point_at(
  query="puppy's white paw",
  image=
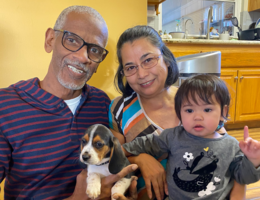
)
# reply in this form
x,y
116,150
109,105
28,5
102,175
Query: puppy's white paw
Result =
x,y
120,187
93,190
93,185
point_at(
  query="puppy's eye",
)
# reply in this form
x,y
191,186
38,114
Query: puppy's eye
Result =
x,y
83,141
99,145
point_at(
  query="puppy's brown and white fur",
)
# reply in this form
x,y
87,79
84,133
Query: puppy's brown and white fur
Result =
x,y
102,153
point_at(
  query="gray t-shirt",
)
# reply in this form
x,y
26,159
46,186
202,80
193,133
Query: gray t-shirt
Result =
x,y
198,168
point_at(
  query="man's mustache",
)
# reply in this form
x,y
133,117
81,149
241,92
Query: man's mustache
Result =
x,y
77,63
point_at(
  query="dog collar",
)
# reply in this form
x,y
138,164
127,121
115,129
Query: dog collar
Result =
x,y
103,163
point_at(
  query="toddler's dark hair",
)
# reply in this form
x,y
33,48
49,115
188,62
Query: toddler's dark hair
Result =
x,y
202,86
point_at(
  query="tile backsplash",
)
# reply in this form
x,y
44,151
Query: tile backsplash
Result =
x,y
248,18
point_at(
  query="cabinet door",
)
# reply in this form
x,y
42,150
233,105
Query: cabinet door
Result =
x,y
248,95
230,78
253,5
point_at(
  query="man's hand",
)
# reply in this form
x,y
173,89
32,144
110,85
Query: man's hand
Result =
x,y
80,188
153,173
251,148
106,184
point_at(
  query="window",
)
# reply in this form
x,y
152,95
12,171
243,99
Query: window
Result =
x,y
176,12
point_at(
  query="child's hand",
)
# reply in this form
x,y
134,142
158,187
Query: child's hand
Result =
x,y
251,148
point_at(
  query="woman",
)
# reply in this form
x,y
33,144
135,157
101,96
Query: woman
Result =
x,y
147,70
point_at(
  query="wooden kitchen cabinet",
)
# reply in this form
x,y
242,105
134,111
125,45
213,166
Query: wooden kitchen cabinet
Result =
x,y
248,95
244,87
230,77
238,59
155,3
253,5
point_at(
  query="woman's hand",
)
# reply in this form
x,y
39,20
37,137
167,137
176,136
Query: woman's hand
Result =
x,y
153,173
106,185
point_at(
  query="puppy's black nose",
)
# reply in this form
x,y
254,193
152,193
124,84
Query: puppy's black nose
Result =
x,y
86,156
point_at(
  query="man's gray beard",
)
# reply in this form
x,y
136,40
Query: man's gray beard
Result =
x,y
72,86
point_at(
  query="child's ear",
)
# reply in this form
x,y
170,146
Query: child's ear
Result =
x,y
225,112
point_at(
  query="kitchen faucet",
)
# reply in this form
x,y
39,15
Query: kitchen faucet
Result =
x,y
210,19
186,31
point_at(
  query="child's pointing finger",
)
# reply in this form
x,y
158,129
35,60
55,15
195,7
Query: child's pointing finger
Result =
x,y
246,133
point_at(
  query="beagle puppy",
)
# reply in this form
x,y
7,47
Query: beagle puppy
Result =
x,y
102,154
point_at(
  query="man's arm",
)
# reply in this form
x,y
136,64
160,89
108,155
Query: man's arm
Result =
x,y
106,185
5,154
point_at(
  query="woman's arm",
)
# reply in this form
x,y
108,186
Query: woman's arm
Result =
x,y
119,136
238,192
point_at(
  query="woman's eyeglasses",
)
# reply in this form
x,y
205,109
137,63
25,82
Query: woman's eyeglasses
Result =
x,y
148,63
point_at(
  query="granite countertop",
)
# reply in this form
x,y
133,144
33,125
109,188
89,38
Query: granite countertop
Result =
x,y
213,41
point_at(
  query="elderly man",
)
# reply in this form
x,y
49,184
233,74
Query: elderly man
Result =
x,y
42,122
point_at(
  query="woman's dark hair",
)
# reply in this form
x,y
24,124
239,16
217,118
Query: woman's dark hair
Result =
x,y
202,86
154,38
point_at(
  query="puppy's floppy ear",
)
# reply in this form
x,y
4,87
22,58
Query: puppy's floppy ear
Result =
x,y
118,159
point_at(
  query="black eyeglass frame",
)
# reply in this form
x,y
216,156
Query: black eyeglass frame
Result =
x,y
84,43
137,66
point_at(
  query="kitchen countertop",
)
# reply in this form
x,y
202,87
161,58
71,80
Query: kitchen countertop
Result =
x,y
234,53
212,41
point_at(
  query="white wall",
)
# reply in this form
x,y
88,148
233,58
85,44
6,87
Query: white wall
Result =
x,y
247,18
154,20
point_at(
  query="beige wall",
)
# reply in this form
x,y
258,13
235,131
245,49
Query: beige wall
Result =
x,y
22,30
244,6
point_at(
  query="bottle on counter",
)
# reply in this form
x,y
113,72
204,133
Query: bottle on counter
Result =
x,y
178,27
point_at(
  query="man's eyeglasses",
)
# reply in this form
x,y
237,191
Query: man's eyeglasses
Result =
x,y
148,63
73,42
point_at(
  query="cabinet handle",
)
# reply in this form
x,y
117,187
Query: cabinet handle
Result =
x,y
241,77
236,78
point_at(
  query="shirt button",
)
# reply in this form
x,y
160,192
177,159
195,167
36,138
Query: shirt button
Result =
x,y
61,105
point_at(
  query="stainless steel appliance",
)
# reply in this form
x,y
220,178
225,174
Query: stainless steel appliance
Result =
x,y
202,63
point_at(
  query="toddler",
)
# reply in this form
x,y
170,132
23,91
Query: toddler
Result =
x,y
202,164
